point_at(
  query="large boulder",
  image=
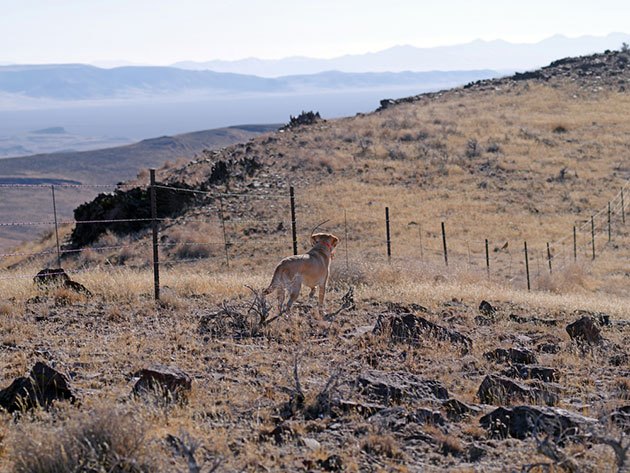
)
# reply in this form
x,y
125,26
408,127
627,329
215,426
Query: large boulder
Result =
x,y
396,386
49,278
498,390
511,355
411,328
522,421
163,382
43,386
585,330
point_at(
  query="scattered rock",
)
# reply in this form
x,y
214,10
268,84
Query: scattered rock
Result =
x,y
41,388
521,421
457,410
548,347
411,328
393,387
531,372
585,330
621,418
311,443
511,355
304,118
331,463
483,321
620,359
57,277
486,308
533,320
279,434
166,382
499,390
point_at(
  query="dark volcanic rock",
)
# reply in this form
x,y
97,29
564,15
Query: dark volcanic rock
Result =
x,y
548,347
457,410
621,418
486,308
521,421
499,390
49,278
41,388
531,372
396,418
511,355
585,330
304,118
167,382
393,387
411,328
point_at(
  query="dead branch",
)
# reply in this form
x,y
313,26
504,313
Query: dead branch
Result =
x,y
347,303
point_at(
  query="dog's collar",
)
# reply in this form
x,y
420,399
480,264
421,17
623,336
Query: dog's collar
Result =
x,y
328,245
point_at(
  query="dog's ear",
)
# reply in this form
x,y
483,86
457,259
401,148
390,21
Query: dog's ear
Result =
x,y
314,239
335,240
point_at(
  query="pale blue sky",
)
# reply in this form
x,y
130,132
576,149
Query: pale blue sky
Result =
x,y
166,31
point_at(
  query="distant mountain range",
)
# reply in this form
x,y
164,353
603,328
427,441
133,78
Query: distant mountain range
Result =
x,y
80,82
498,55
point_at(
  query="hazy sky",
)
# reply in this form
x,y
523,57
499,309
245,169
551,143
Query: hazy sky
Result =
x,y
166,31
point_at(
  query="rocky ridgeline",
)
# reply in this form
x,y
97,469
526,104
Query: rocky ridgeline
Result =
x,y
609,70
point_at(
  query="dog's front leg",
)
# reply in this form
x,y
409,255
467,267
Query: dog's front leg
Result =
x,y
322,295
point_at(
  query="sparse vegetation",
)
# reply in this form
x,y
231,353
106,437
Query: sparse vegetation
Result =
x,y
284,393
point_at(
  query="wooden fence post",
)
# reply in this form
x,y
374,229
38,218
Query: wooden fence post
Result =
x,y
487,259
527,268
154,230
549,257
444,245
389,241
345,225
225,242
52,188
293,222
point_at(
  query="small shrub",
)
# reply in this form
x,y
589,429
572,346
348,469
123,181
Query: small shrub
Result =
x,y
472,149
105,440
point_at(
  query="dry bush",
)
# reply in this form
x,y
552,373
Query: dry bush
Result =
x,y
104,440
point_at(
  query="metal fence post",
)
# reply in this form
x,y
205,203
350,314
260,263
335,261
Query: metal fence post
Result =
x,y
52,188
593,235
574,244
444,245
609,232
293,222
389,242
549,257
154,228
529,287
623,210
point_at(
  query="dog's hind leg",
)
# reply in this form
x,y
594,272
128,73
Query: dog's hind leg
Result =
x,y
312,293
294,292
280,294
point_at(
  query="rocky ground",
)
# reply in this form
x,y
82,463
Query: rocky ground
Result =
x,y
374,386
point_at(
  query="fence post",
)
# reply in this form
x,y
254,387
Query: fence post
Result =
x,y
389,241
345,225
52,188
609,236
154,229
549,257
444,245
293,223
487,259
527,268
623,210
574,244
593,235
225,242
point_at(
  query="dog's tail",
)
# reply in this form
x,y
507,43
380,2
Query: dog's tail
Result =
x,y
274,282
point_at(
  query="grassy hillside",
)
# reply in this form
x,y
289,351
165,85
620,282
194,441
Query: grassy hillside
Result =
x,y
508,160
104,166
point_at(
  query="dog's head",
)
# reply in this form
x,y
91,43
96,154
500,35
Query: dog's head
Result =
x,y
327,239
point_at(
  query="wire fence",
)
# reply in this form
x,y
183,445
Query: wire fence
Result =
x,y
229,236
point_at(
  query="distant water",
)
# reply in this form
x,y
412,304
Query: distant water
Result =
x,y
146,118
